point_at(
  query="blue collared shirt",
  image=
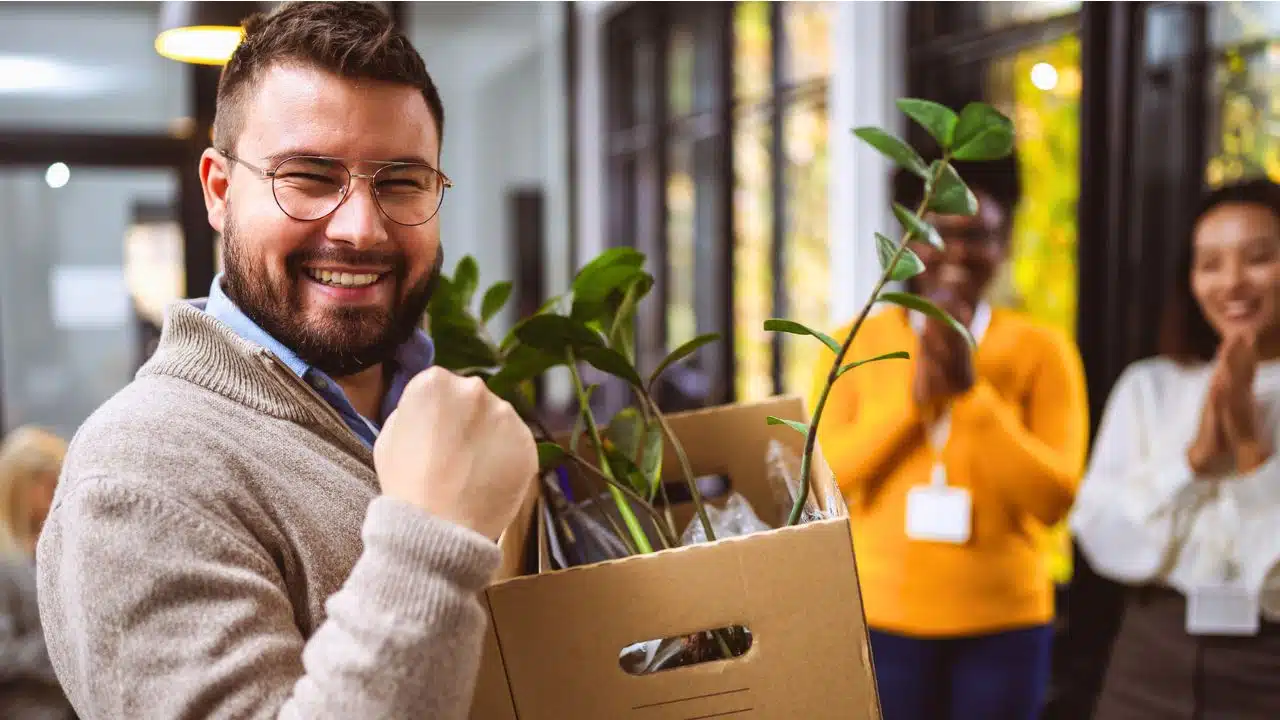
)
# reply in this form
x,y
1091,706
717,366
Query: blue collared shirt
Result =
x,y
411,358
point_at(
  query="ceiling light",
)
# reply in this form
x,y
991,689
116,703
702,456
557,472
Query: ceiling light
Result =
x,y
203,33
57,175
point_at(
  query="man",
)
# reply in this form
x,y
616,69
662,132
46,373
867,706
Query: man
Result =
x,y
955,463
288,513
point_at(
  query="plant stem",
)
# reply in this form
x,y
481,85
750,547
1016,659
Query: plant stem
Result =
x,y
622,488
811,437
694,495
662,486
624,509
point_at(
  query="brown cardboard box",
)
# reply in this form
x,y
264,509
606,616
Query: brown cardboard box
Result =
x,y
554,639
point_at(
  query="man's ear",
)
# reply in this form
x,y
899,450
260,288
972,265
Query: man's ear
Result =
x,y
215,170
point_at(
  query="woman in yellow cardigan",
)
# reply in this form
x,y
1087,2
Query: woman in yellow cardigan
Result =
x,y
955,464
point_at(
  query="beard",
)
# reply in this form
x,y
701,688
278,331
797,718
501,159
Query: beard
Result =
x,y
338,341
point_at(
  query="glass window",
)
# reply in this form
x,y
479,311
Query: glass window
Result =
x,y
1244,100
1039,88
961,17
76,310
88,66
807,260
752,256
752,203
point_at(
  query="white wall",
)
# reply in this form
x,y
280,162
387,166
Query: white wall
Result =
x,y
501,73
500,70
868,75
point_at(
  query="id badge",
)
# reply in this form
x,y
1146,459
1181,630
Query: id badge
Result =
x,y
939,513
1223,610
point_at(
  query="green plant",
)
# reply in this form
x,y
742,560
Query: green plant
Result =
x,y
594,323
979,132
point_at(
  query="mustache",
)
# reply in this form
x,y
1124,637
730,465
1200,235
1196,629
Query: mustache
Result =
x,y
347,256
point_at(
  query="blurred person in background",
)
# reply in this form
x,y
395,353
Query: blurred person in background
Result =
x,y
1181,501
955,464
30,461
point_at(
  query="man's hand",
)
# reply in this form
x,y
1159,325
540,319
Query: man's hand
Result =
x,y
457,451
944,368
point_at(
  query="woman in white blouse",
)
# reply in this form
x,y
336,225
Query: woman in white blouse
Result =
x,y
1181,501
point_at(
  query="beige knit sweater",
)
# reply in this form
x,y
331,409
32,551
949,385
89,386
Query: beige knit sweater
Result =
x,y
219,548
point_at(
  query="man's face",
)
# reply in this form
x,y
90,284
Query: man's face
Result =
x,y
276,267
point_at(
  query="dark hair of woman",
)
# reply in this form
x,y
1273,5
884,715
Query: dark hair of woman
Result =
x,y
1185,334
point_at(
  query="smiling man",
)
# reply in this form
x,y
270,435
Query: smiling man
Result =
x,y
289,512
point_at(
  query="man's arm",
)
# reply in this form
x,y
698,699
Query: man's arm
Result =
x,y
153,609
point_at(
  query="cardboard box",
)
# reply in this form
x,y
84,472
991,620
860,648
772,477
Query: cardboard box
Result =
x,y
552,651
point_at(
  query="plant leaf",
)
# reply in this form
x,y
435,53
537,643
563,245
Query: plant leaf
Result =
x,y
909,264
982,133
625,470
899,355
651,460
611,361
893,148
799,427
522,363
465,279
681,353
795,328
625,431
919,229
609,271
623,324
553,333
549,454
494,299
939,120
919,304
950,195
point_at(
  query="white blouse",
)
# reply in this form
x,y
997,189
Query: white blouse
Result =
x,y
1141,515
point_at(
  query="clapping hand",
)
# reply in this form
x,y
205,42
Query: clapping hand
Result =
x,y
1229,422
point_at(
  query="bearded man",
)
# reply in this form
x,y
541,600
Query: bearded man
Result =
x,y
289,512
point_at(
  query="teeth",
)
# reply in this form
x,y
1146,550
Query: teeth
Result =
x,y
342,279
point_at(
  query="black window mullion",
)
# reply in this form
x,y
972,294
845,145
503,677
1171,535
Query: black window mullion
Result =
x,y
777,160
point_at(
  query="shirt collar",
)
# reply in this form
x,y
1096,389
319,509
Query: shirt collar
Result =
x,y
412,357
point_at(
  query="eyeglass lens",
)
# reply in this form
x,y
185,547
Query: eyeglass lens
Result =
x,y
311,188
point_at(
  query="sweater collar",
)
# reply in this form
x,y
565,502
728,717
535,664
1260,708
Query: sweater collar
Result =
x,y
198,348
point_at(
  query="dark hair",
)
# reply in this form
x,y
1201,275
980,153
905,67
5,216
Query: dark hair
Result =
x,y
1000,179
1185,333
356,40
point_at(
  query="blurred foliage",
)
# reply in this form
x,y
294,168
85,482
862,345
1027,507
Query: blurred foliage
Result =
x,y
1244,112
1041,277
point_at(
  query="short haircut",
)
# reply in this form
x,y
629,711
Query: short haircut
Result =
x,y
1185,333
356,40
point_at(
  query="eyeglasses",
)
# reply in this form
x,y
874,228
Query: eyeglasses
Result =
x,y
310,188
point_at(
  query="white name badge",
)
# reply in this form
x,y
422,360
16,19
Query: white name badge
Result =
x,y
939,513
1223,610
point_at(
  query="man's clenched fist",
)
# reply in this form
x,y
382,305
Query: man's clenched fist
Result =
x,y
457,451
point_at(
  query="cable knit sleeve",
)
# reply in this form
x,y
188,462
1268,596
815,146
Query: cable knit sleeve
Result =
x,y
1138,486
402,638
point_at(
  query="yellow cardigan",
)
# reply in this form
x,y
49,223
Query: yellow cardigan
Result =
x,y
1017,442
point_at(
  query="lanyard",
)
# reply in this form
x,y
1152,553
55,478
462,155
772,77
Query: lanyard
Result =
x,y
939,430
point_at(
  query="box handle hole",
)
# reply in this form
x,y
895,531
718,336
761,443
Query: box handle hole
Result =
x,y
714,645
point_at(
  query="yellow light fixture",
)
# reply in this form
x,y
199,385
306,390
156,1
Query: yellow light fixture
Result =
x,y
202,33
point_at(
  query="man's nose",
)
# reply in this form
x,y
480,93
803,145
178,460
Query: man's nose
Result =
x,y
358,221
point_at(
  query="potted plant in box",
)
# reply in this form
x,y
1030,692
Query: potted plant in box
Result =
x,y
594,324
